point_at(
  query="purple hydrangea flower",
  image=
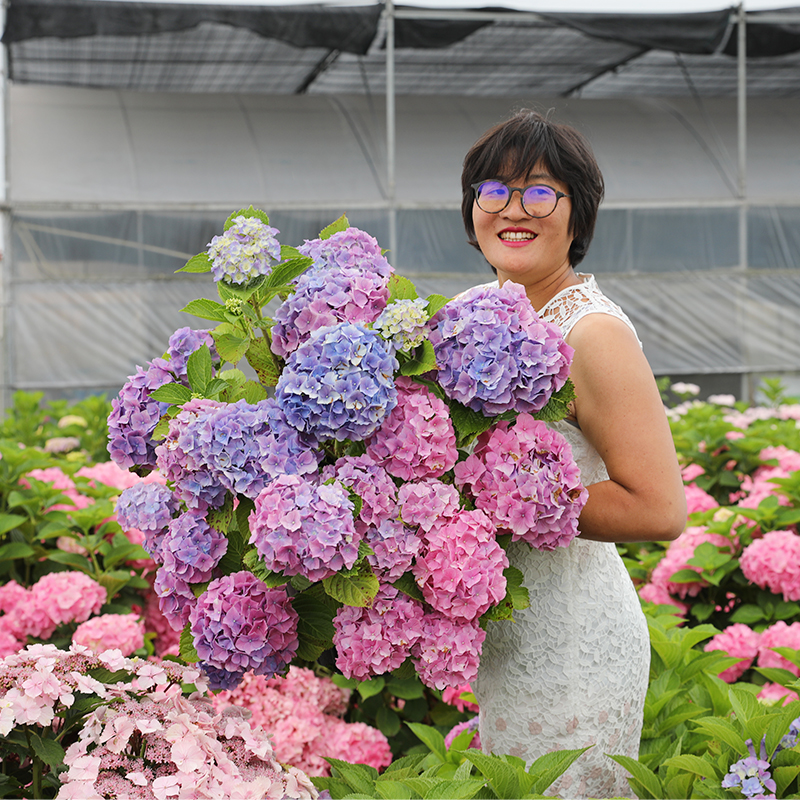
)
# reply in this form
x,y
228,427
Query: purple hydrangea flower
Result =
x,y
148,507
175,598
283,450
394,548
191,548
339,384
134,416
243,252
299,528
220,678
324,298
239,625
182,344
348,248
495,354
377,639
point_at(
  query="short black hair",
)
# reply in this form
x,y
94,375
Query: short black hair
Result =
x,y
512,148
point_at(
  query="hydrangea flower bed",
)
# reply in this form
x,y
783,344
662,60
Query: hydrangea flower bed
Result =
x,y
337,501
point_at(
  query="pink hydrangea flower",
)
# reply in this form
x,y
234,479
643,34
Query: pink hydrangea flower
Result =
x,y
467,725
525,479
452,696
653,593
697,499
125,632
356,743
773,562
691,471
779,635
461,569
417,439
424,502
738,641
760,485
111,474
677,557
773,693
447,653
377,639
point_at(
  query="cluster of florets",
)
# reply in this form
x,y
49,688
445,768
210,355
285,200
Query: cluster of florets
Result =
x,y
739,641
525,479
404,323
448,653
394,548
417,439
339,384
424,502
123,632
461,568
779,634
175,598
149,508
371,483
345,249
751,775
326,297
239,624
192,548
303,714
495,354
677,557
301,528
379,638
182,344
773,562
245,251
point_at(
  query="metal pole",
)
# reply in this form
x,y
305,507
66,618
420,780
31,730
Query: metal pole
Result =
x,y
742,134
5,225
391,145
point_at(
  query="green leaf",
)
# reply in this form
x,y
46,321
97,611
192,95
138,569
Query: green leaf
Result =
x,y
435,302
388,722
430,737
352,590
284,273
187,650
392,790
407,690
252,392
515,591
123,552
48,750
358,777
502,776
423,360
558,405
645,777
314,627
401,288
199,263
72,560
231,348
247,213
454,790
221,518
747,614
262,360
199,369
408,586
744,704
14,550
777,675
371,687
10,521
467,423
341,224
206,309
173,393
783,776
695,764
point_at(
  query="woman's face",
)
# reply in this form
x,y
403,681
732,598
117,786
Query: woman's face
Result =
x,y
522,248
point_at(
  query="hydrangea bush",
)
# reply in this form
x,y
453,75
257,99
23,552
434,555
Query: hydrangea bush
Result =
x,y
321,506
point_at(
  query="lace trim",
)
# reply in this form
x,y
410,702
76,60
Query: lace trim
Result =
x,y
576,302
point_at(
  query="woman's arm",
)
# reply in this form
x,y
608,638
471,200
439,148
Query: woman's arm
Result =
x,y
620,411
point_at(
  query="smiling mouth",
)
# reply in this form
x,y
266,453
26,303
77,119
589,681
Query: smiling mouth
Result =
x,y
517,236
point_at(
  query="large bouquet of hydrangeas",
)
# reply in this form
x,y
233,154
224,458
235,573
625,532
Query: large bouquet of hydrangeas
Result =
x,y
360,491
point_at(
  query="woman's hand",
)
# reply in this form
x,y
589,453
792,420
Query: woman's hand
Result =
x,y
619,410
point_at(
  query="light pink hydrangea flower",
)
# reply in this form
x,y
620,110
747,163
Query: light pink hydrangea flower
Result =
x,y
739,641
525,479
417,439
677,557
424,502
125,632
773,562
356,743
461,569
654,593
773,693
779,635
377,639
697,499
448,653
760,485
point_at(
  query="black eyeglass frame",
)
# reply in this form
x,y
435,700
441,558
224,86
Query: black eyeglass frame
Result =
x,y
511,189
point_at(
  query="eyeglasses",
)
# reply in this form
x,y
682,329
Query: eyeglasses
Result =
x,y
538,199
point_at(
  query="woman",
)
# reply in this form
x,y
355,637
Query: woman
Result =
x,y
572,670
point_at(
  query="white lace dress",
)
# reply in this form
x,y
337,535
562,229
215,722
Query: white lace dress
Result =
x,y
572,669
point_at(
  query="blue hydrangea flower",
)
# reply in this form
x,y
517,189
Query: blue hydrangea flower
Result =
x,y
751,775
192,548
148,507
339,384
495,354
246,250
220,678
182,344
